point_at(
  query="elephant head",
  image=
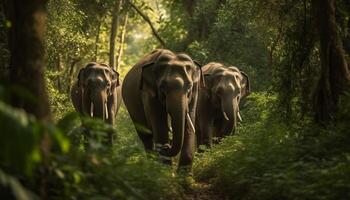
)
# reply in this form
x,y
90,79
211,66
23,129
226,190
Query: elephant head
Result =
x,y
227,86
97,82
173,79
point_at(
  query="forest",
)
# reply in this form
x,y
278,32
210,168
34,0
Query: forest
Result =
x,y
175,99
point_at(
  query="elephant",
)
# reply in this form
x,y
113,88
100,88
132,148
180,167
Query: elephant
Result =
x,y
218,102
97,93
160,93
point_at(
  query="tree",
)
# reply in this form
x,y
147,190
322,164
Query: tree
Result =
x,y
27,57
149,22
335,75
27,67
122,41
114,27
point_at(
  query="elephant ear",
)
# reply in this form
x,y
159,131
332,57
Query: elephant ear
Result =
x,y
202,80
147,75
82,73
81,76
245,84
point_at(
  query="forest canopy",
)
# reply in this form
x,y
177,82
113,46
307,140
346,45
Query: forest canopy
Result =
x,y
292,142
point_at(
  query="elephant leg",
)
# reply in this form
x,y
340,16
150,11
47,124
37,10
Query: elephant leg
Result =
x,y
157,118
207,135
221,127
142,128
205,122
218,127
205,129
111,121
147,140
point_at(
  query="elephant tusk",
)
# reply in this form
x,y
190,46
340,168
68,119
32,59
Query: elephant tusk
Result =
x,y
239,116
169,124
190,122
92,109
225,116
106,110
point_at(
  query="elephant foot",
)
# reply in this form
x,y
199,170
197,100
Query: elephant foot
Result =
x,y
162,158
186,177
165,149
165,160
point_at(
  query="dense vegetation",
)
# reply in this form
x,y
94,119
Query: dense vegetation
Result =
x,y
293,142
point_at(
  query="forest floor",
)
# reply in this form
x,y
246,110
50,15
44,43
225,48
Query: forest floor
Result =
x,y
202,191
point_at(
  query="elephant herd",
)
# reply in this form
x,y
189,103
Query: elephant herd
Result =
x,y
166,92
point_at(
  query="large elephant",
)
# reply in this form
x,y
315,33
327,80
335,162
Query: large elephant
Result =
x,y
160,93
218,103
97,93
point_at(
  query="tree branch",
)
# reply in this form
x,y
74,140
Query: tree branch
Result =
x,y
147,19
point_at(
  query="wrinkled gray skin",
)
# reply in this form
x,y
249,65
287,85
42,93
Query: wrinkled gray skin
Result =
x,y
160,93
97,93
218,102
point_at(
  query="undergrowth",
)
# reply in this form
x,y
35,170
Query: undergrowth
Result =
x,y
268,159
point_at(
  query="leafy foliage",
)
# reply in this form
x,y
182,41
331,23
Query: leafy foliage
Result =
x,y
268,159
278,152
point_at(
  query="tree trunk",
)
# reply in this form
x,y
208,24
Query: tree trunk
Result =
x,y
59,69
121,39
189,6
27,69
114,27
97,38
27,53
335,75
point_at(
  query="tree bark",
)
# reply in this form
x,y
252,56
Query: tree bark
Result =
x,y
121,40
59,69
149,22
27,70
114,27
97,39
27,53
335,76
189,6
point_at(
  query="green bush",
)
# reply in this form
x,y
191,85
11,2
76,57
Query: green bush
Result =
x,y
91,170
270,160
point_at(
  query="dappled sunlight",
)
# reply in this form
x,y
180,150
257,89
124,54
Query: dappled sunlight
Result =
x,y
172,100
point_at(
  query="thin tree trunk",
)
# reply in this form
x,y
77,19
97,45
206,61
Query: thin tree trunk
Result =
x,y
97,39
59,69
189,6
121,39
335,76
114,27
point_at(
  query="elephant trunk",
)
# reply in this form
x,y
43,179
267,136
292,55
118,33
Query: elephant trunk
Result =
x,y
98,106
86,102
229,108
177,108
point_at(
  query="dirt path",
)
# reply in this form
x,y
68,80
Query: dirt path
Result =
x,y
202,191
